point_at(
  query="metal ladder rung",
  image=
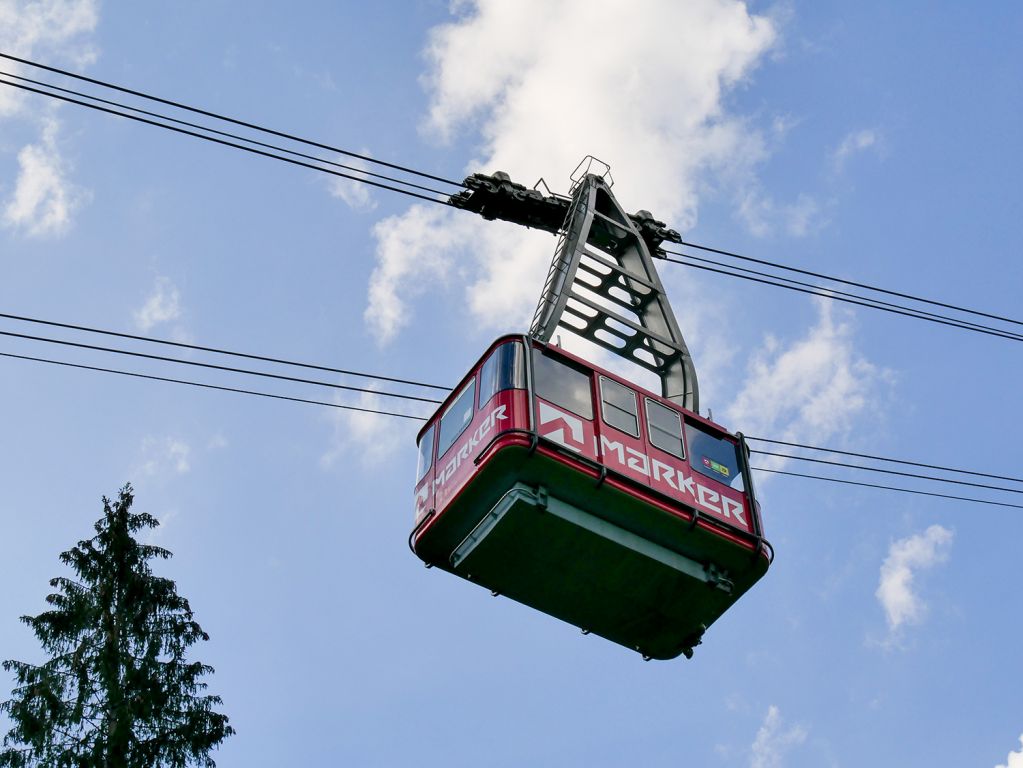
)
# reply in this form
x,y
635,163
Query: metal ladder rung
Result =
x,y
615,267
639,328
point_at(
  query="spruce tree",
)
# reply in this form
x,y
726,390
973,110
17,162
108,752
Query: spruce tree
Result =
x,y
117,690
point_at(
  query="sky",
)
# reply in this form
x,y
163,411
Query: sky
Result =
x,y
875,141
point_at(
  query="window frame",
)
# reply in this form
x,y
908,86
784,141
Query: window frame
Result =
x,y
681,428
440,422
496,358
708,472
429,436
575,368
603,402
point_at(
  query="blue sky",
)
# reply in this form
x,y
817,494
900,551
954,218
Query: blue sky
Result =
x,y
876,141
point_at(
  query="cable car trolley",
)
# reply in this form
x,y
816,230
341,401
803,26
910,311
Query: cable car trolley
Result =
x,y
561,485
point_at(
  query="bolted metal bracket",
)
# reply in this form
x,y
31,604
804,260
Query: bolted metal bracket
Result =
x,y
718,578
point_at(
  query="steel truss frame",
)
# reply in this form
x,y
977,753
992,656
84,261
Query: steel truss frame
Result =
x,y
602,284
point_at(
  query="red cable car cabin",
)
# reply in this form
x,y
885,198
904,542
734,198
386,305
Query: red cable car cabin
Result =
x,y
568,489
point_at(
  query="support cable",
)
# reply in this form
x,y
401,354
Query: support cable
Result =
x,y
216,132
224,142
830,292
734,255
731,254
198,348
824,293
890,488
888,471
233,121
209,386
212,366
884,458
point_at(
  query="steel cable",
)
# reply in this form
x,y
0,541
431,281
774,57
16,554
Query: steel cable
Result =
x,y
226,119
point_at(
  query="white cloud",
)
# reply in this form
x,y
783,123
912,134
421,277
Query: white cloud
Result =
x,y
163,457
905,558
162,306
52,26
155,534
773,741
429,245
43,198
47,27
354,194
545,83
802,216
371,437
813,386
1015,759
852,143
761,213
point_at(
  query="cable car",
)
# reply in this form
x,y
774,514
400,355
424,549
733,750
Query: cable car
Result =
x,y
567,488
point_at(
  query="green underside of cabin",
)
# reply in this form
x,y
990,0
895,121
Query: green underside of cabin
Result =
x,y
548,536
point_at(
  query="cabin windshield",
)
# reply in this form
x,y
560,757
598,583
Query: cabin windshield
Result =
x,y
713,456
504,369
425,454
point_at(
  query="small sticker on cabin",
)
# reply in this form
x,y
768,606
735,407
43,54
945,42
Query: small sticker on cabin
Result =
x,y
712,465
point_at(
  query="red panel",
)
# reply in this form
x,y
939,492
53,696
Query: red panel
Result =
x,y
424,495
566,429
674,477
721,502
624,453
506,410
